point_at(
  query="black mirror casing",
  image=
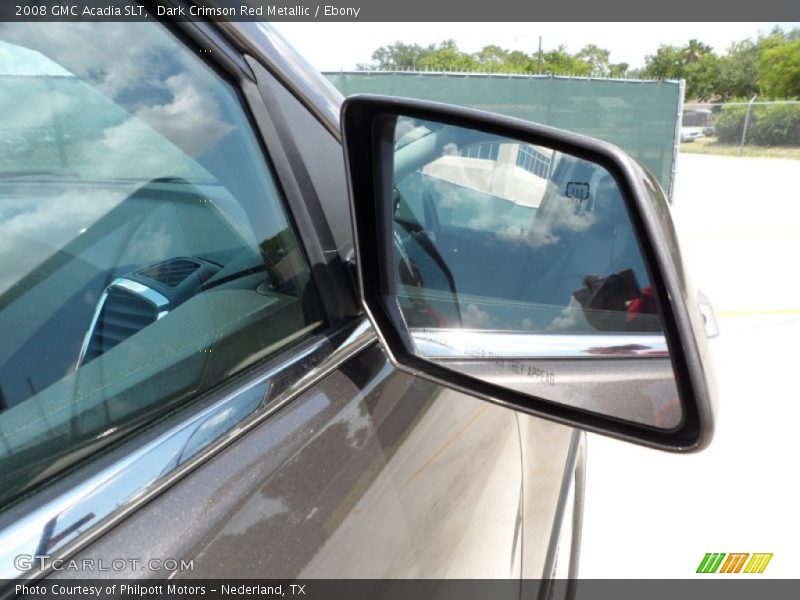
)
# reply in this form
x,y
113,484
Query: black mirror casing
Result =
x,y
368,124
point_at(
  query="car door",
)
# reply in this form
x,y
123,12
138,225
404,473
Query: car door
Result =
x,y
189,388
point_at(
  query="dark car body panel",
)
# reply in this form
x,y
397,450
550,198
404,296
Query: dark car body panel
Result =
x,y
365,471
370,473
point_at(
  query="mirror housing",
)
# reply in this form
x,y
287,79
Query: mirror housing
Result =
x,y
599,382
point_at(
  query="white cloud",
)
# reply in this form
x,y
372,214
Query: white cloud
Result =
x,y
562,217
191,119
91,51
31,230
150,93
151,243
475,317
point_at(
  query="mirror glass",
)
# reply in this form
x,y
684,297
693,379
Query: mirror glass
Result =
x,y
519,264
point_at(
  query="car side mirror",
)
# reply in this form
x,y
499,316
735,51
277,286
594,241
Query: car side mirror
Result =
x,y
528,266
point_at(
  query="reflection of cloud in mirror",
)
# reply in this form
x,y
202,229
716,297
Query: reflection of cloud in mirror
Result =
x,y
508,227
572,319
444,193
561,218
404,126
450,150
475,317
31,230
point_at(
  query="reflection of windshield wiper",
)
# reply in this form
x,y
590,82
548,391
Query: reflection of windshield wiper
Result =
x,y
40,174
425,242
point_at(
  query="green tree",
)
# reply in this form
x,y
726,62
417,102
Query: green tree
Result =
x,y
397,56
619,70
597,58
694,51
492,59
667,63
738,71
519,62
768,65
702,77
591,60
561,62
695,62
447,57
779,69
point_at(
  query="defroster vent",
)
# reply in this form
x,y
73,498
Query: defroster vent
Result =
x,y
126,308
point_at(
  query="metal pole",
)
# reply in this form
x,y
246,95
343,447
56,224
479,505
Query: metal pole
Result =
x,y
539,60
746,121
676,145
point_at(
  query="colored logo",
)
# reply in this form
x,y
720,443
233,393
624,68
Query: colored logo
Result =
x,y
719,562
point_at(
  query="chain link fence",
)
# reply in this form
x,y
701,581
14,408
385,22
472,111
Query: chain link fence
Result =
x,y
754,122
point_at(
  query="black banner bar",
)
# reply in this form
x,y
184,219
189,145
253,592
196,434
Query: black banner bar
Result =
x,y
742,587
402,10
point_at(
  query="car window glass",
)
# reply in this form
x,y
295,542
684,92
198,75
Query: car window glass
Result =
x,y
145,254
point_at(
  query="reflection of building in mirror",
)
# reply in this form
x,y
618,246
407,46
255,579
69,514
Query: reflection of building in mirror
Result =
x,y
508,171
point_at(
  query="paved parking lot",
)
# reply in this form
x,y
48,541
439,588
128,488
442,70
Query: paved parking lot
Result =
x,y
652,514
